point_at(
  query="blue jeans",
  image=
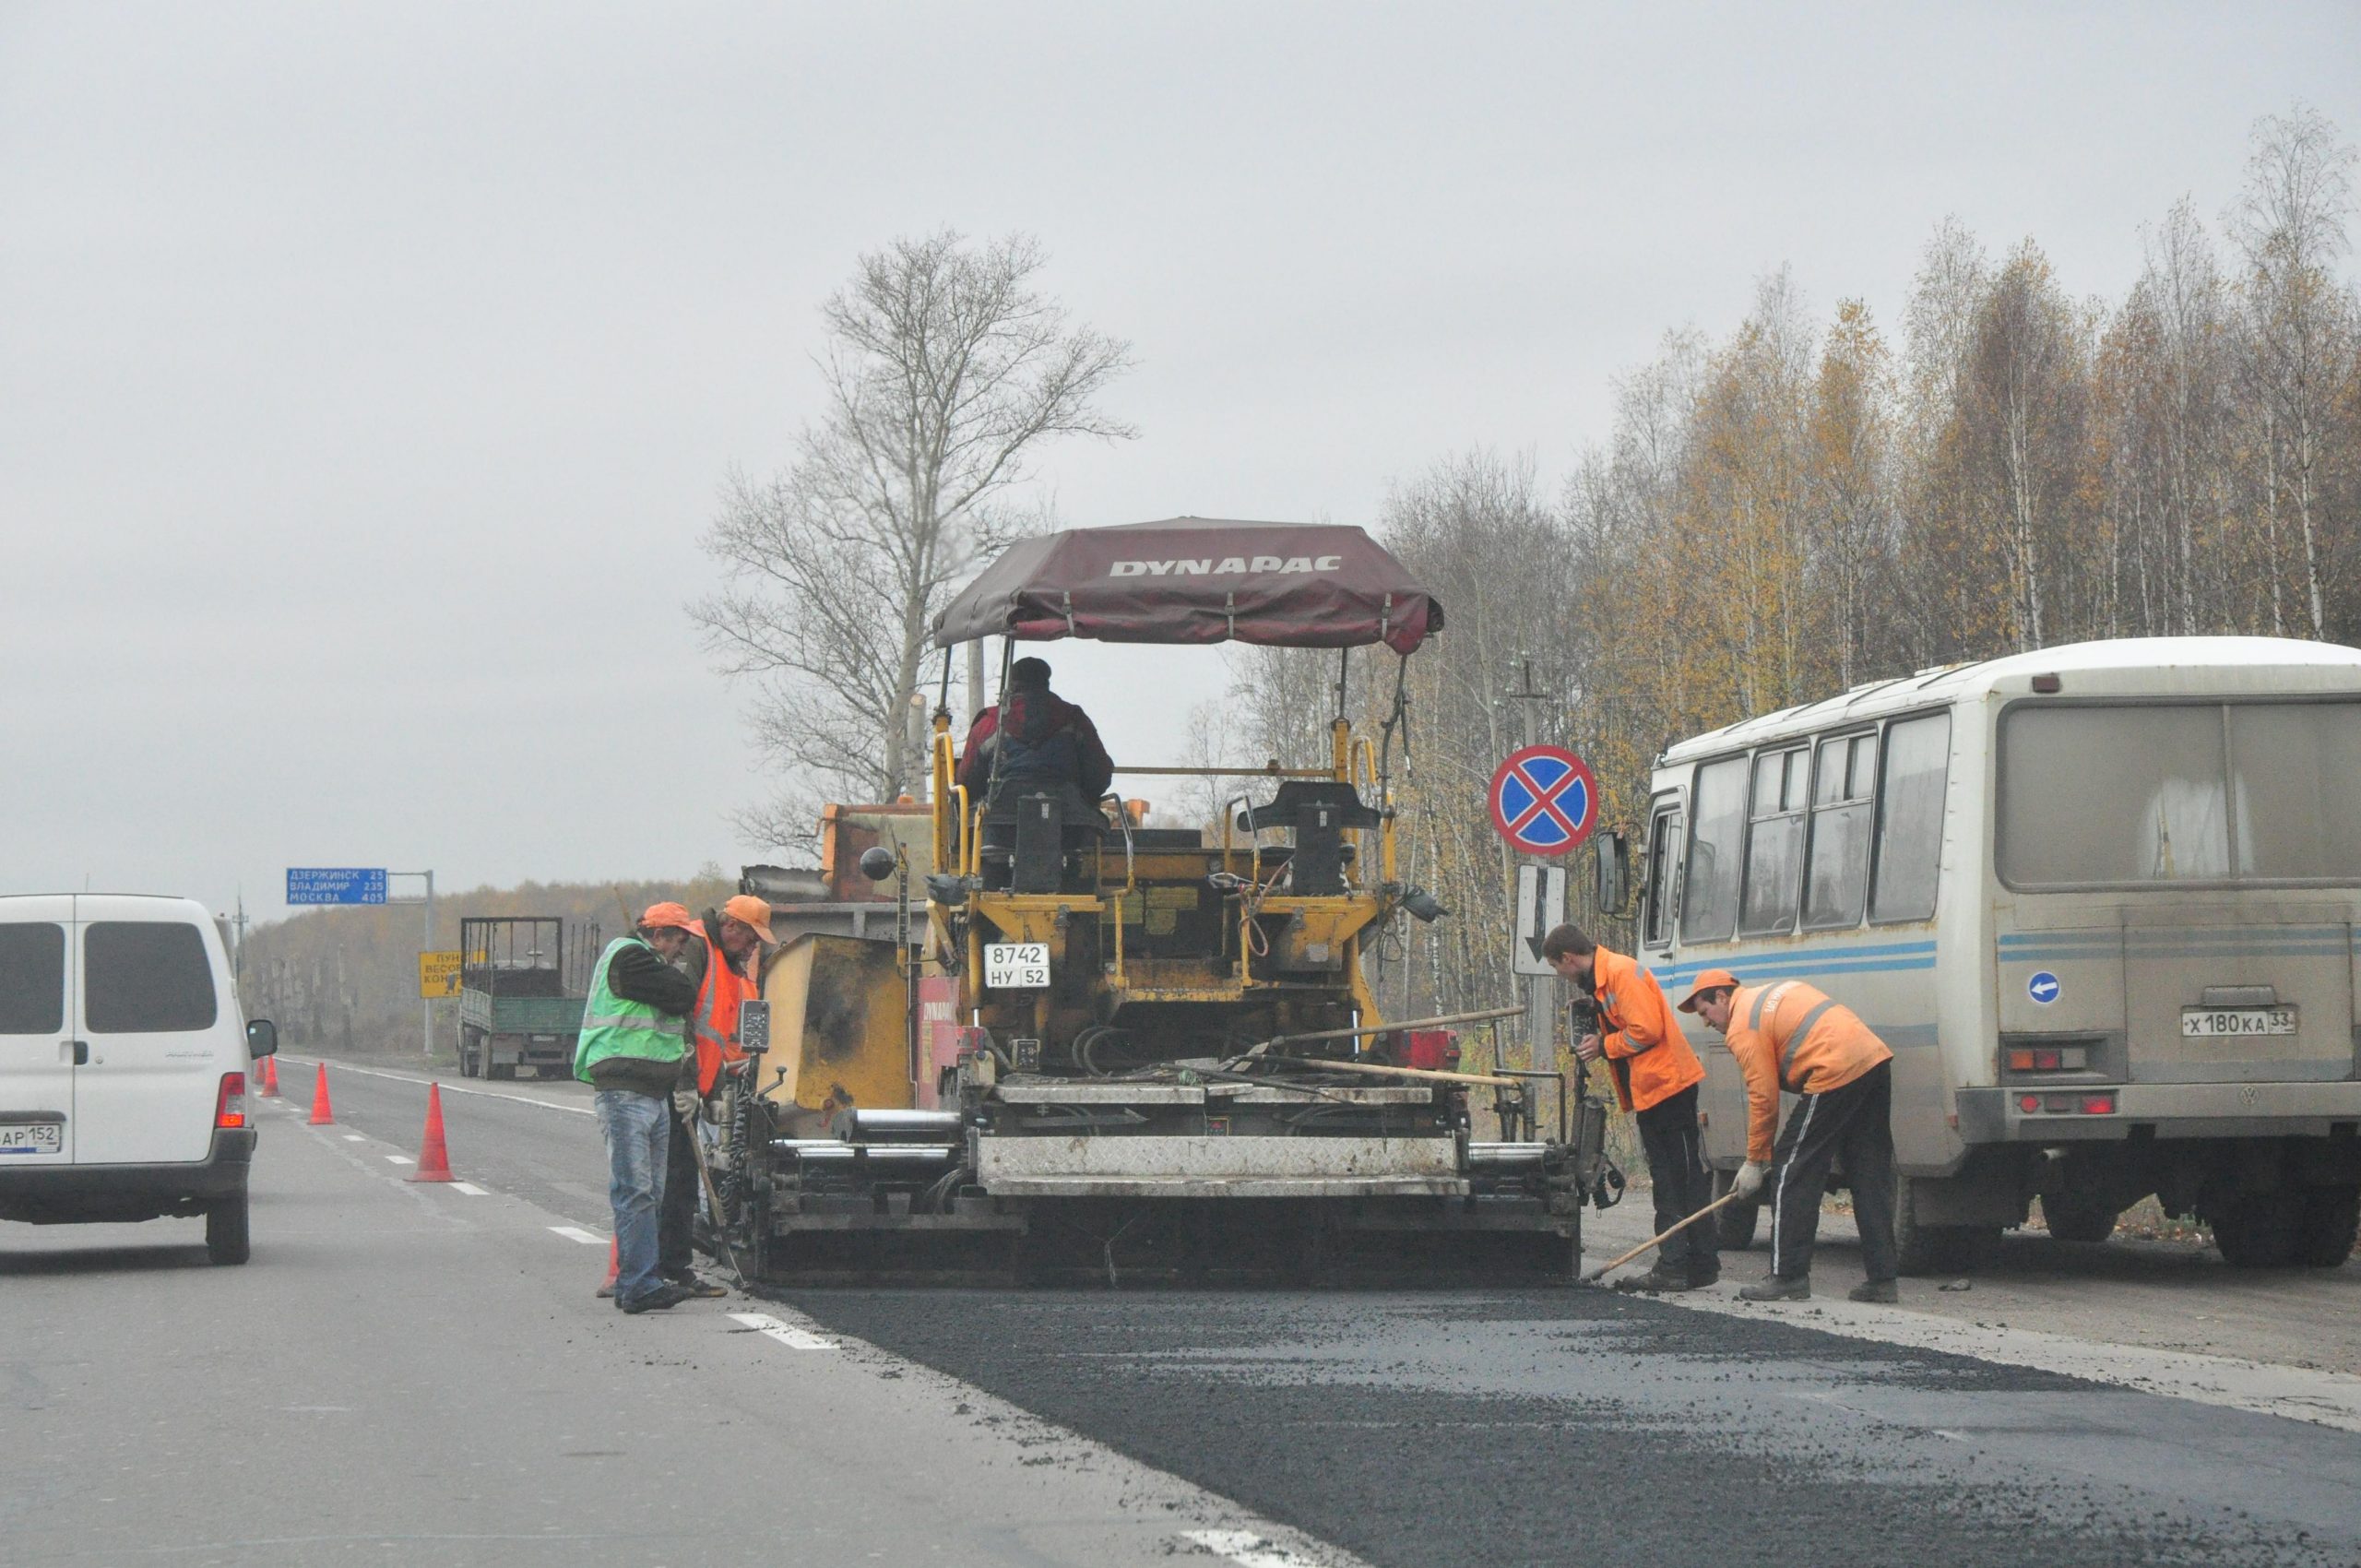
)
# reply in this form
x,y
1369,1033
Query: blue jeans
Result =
x,y
637,1128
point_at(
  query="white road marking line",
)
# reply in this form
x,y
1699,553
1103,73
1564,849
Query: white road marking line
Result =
x,y
576,1233
471,1189
1246,1549
354,1138
763,1323
401,1159
460,1088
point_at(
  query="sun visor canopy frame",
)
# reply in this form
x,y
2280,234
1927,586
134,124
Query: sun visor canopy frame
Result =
x,y
1198,580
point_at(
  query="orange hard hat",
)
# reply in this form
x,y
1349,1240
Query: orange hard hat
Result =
x,y
659,916
1707,980
748,909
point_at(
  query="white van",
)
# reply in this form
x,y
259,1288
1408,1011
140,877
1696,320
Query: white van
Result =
x,y
122,1065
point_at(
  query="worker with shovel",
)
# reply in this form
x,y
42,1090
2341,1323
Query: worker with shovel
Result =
x,y
1787,1035
1656,1077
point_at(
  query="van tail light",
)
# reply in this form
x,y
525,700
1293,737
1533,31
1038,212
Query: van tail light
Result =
x,y
230,1110
2048,1059
2098,1105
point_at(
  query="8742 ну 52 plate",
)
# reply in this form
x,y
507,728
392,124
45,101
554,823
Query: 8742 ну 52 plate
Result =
x,y
2212,1022
1016,966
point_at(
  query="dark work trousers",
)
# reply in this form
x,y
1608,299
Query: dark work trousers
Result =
x,y
1855,1122
683,1193
1676,1153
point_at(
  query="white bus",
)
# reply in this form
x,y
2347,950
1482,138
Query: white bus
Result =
x,y
2102,900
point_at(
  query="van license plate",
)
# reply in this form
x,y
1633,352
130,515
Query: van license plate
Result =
x,y
2202,1023
38,1137
1016,966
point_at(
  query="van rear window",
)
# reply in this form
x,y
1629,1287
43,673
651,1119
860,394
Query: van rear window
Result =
x,y
32,978
146,977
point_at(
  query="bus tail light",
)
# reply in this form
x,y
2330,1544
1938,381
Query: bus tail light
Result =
x,y
2084,1103
230,1108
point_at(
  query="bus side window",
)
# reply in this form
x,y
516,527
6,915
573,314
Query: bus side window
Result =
x,y
1910,818
1774,841
1837,884
1716,838
1664,854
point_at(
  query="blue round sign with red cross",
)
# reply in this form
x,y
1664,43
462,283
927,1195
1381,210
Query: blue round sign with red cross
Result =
x,y
1544,800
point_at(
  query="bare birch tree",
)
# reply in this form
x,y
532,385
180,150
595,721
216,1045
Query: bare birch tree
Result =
x,y
945,367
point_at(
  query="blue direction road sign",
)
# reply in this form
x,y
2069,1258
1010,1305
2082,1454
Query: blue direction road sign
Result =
x,y
335,885
1544,800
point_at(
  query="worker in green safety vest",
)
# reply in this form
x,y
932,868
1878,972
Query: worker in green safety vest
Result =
x,y
633,1051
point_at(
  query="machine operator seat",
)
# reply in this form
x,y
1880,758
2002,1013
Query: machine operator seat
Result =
x,y
1318,813
1030,828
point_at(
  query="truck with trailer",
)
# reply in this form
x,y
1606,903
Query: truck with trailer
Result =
x,y
2103,901
522,984
1052,1042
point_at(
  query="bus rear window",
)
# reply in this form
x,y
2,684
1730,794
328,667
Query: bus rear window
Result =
x,y
2165,792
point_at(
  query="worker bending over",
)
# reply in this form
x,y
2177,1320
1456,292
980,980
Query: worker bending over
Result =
x,y
724,957
1656,1076
1787,1036
1040,742
630,1051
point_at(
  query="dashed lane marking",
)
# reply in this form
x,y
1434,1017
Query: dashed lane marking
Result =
x,y
796,1338
1246,1549
576,1233
354,1138
401,1159
471,1189
459,1088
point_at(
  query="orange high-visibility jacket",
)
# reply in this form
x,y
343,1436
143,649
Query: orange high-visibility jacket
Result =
x,y
1790,1036
1646,1052
714,1018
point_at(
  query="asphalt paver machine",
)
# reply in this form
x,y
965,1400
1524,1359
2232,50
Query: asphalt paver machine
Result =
x,y
1154,1053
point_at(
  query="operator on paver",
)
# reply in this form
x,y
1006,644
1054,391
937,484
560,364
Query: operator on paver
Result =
x,y
1788,1035
1042,741
1656,1077
737,932
632,1051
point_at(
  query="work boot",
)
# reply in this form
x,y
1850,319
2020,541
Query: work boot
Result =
x,y
1875,1291
1771,1288
665,1295
695,1284
1656,1279
1699,1278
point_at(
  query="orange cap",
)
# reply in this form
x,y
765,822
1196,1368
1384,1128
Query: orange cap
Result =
x,y
1708,980
659,916
752,911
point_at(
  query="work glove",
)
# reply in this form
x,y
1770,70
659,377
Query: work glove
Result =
x,y
687,1104
1748,1182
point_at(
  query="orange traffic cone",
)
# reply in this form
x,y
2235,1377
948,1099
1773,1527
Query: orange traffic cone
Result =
x,y
433,1158
323,1114
614,1266
270,1077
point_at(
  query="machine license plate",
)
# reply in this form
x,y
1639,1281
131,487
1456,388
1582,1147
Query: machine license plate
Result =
x,y
1016,966
35,1138
2198,1023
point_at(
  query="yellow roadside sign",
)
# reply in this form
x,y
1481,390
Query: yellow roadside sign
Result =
x,y
438,974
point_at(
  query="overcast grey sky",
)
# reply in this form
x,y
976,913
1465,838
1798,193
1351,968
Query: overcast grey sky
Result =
x,y
367,371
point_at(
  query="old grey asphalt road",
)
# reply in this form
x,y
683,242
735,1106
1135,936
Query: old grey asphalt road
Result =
x,y
410,1374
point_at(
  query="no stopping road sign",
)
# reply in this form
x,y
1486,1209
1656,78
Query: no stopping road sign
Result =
x,y
1545,800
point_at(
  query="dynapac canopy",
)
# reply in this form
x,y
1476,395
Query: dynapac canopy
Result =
x,y
1198,580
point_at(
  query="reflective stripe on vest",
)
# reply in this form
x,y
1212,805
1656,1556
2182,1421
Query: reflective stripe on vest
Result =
x,y
612,1026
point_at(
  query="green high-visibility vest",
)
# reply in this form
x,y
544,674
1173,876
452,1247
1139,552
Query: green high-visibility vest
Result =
x,y
613,1027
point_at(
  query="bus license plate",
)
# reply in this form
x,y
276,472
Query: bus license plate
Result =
x,y
35,1138
1016,966
2206,1023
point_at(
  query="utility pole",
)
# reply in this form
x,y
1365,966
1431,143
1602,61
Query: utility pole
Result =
x,y
426,943
1541,992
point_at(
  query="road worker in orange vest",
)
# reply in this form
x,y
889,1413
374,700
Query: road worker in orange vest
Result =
x,y
1656,1077
1786,1035
724,957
